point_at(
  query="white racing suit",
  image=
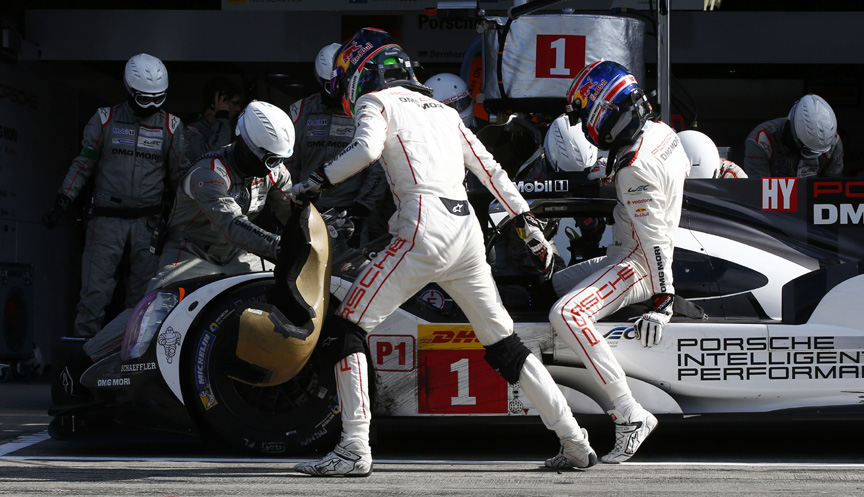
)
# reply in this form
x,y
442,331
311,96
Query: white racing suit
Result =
x,y
638,263
210,231
424,149
769,152
323,130
132,160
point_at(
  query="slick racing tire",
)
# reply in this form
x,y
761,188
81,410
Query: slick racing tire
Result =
x,y
297,416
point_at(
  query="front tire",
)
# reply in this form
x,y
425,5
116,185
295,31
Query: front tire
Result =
x,y
297,416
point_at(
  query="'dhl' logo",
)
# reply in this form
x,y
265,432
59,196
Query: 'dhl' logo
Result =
x,y
780,194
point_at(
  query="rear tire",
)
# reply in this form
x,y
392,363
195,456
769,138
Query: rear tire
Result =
x,y
297,416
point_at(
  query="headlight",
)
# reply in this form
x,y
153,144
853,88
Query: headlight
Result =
x,y
145,322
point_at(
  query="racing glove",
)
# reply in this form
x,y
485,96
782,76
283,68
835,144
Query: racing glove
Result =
x,y
528,228
61,204
316,183
279,250
357,214
729,169
598,170
649,327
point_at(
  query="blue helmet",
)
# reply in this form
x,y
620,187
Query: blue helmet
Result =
x,y
609,102
368,62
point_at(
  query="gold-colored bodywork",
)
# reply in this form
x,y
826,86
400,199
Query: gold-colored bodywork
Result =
x,y
266,339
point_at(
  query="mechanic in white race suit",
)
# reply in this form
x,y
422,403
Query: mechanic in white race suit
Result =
x,y
649,168
323,130
211,229
134,153
805,143
424,148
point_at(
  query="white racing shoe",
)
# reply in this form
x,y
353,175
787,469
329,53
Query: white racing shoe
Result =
x,y
574,454
350,458
629,434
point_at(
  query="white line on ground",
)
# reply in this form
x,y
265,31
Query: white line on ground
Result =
x,y
404,461
23,442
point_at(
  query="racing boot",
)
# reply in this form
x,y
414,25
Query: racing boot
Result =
x,y
351,457
540,388
574,454
630,432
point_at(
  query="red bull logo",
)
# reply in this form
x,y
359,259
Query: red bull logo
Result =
x,y
641,212
584,92
352,54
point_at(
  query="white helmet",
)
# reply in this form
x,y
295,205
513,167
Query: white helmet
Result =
x,y
814,126
702,152
324,64
146,79
566,147
449,89
267,131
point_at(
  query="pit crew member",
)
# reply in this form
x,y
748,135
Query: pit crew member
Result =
x,y
705,161
805,143
212,129
424,148
649,166
211,229
134,153
323,130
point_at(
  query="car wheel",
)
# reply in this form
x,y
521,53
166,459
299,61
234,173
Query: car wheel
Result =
x,y
297,416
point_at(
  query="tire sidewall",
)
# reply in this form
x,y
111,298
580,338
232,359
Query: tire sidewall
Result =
x,y
218,407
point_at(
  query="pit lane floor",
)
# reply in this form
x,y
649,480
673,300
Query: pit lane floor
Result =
x,y
795,459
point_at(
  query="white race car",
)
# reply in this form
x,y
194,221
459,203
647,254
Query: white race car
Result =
x,y
776,272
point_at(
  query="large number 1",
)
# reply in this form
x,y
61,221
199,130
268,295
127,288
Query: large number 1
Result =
x,y
460,367
560,69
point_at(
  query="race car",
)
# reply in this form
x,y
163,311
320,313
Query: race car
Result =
x,y
769,273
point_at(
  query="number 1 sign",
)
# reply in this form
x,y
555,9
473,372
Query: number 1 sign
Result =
x,y
559,56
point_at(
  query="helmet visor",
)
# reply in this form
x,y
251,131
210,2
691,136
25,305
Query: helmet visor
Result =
x,y
150,99
460,102
336,77
809,154
354,54
805,151
273,161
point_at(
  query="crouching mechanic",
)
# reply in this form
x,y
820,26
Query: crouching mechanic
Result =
x,y
649,167
424,148
210,229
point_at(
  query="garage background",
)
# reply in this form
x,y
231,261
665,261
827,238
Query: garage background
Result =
x,y
733,68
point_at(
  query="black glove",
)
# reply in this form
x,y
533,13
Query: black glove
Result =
x,y
528,228
357,214
317,182
61,204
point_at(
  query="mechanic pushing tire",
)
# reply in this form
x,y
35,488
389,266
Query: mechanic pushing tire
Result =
x,y
251,374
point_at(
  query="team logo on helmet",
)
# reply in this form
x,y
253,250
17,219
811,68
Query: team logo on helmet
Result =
x,y
583,93
580,90
602,96
352,54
